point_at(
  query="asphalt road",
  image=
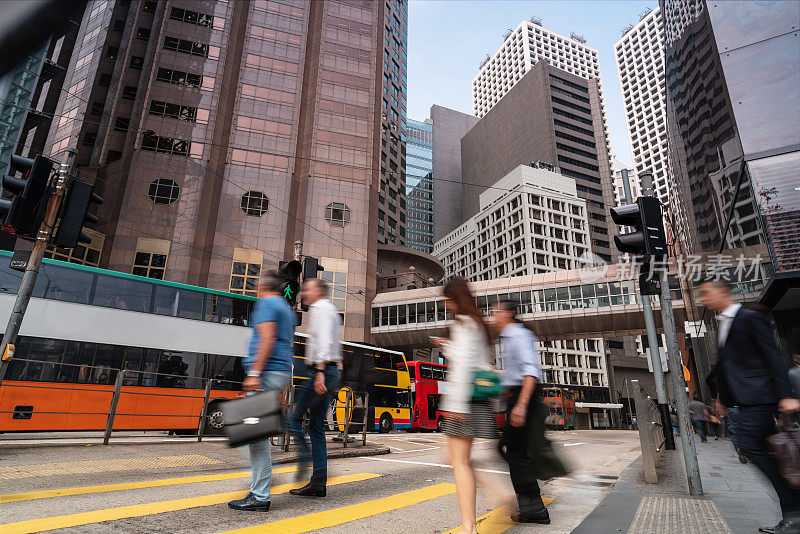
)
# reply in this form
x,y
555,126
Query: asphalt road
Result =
x,y
169,487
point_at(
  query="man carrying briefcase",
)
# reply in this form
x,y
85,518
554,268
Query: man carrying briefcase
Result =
x,y
268,367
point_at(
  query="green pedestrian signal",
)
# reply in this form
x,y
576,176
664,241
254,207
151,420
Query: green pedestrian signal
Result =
x,y
288,294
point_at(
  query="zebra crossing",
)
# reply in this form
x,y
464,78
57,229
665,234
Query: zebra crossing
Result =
x,y
373,504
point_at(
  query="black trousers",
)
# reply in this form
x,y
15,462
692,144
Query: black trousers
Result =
x,y
753,425
514,449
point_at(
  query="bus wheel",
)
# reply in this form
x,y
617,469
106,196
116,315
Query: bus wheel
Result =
x,y
386,424
440,424
214,423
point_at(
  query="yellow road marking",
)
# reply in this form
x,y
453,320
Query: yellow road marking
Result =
x,y
83,490
497,521
345,514
139,510
93,466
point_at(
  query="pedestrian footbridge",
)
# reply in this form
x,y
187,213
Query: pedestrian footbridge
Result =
x,y
570,304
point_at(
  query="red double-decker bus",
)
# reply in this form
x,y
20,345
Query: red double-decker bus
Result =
x,y
427,382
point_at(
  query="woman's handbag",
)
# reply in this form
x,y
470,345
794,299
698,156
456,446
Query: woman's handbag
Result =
x,y
486,385
785,449
253,418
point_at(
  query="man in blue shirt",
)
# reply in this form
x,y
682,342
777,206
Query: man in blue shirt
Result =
x,y
268,366
518,364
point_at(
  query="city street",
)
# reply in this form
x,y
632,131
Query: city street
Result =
x,y
183,487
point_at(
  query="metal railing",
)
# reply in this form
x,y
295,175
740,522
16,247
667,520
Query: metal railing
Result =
x,y
651,432
121,388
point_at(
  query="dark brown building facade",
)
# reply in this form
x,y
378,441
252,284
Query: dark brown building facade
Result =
x,y
222,132
553,116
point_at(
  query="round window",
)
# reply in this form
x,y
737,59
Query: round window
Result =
x,y
255,203
164,191
337,214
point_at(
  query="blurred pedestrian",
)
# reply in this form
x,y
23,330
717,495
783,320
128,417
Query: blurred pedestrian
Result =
x,y
269,367
518,363
467,351
794,375
324,373
697,412
752,375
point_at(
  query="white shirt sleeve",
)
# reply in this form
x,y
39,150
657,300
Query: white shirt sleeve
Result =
x,y
466,352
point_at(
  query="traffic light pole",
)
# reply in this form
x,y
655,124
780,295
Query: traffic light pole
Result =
x,y
35,261
679,389
658,373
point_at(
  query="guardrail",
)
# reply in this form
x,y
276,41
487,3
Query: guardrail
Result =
x,y
651,432
120,388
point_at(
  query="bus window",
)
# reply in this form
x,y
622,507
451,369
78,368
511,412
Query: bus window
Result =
x,y
107,361
177,302
412,372
241,311
425,371
404,399
383,360
433,405
398,363
438,373
132,362
385,396
122,293
67,285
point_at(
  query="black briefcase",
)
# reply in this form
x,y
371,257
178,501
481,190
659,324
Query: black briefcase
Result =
x,y
253,418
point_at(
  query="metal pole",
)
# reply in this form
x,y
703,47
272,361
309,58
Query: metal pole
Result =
x,y
112,410
35,261
628,395
347,415
679,388
201,426
658,373
366,416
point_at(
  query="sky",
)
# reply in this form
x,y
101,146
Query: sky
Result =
x,y
447,40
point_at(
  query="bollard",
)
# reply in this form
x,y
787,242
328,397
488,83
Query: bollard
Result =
x,y
347,415
366,416
112,409
201,426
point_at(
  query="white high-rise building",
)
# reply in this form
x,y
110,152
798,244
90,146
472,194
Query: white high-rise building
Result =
x,y
640,64
521,49
530,221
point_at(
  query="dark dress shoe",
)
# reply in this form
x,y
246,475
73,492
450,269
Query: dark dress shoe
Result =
x,y
742,457
310,490
541,517
250,503
786,526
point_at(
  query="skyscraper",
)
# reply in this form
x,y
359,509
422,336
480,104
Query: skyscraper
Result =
x,y
640,64
552,116
220,133
419,185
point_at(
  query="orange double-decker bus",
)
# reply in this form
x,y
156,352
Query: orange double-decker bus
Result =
x,y
173,343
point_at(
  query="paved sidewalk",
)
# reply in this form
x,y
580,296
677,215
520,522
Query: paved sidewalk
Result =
x,y
737,499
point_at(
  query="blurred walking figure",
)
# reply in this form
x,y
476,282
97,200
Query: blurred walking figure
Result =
x,y
268,366
518,363
751,374
324,372
467,351
699,413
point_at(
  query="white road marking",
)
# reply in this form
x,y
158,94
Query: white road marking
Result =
x,y
430,464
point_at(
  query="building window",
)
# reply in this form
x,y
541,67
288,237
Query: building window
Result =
x,y
113,155
184,78
245,270
122,124
104,80
83,253
168,145
119,25
136,62
191,47
192,17
111,52
335,274
151,258
176,111
97,108
164,191
337,214
89,138
143,34
129,92
149,6
255,203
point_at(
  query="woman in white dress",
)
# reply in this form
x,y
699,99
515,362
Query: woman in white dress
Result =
x,y
467,351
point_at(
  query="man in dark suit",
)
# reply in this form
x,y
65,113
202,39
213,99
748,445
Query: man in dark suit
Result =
x,y
751,374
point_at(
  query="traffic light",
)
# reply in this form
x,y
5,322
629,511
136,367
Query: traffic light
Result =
x,y
290,271
23,212
311,267
75,213
644,216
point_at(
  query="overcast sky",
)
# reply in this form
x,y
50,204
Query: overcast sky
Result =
x,y
447,40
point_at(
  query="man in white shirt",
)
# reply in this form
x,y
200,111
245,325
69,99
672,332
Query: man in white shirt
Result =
x,y
518,363
323,358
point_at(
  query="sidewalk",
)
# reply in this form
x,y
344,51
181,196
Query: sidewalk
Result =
x,y
737,499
